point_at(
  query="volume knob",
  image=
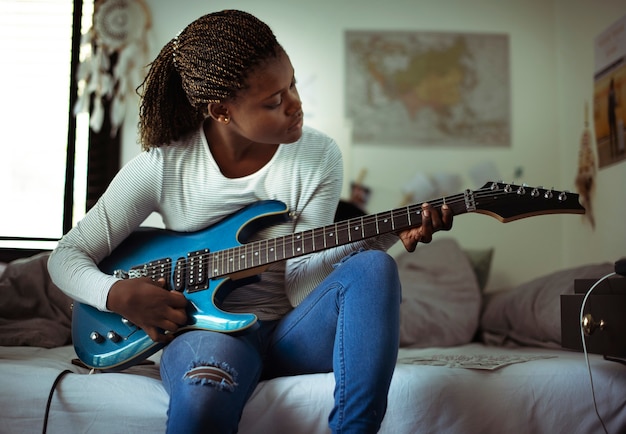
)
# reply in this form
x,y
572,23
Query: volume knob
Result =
x,y
113,337
96,337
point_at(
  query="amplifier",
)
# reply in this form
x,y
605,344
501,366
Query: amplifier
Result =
x,y
604,320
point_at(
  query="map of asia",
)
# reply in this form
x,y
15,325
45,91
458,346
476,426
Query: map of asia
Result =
x,y
428,88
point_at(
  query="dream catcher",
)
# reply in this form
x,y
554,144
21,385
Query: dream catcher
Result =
x,y
116,47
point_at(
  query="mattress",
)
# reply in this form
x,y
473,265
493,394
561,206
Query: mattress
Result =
x,y
465,389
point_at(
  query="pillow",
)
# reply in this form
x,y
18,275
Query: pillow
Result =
x,y
530,314
33,311
440,296
480,260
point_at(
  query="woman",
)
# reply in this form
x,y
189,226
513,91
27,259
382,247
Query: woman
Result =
x,y
221,124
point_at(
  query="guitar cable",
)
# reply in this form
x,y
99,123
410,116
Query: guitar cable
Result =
x,y
49,402
582,336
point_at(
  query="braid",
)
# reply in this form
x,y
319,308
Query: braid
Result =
x,y
208,62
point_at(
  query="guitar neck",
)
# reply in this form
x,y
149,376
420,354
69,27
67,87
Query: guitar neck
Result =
x,y
260,253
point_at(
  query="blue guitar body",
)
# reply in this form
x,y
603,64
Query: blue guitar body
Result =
x,y
105,340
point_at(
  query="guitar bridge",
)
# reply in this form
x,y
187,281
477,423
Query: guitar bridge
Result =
x,y
155,270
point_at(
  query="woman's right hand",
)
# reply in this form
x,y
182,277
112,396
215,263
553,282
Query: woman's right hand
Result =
x,y
145,303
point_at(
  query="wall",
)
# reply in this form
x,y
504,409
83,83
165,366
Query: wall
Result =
x,y
579,22
551,61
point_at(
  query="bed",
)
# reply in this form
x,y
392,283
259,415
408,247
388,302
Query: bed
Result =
x,y
469,362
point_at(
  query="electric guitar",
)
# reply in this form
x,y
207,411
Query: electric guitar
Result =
x,y
206,265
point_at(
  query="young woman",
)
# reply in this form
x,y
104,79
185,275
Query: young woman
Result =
x,y
222,127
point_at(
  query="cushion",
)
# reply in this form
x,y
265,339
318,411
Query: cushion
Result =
x,y
440,296
33,311
480,260
530,314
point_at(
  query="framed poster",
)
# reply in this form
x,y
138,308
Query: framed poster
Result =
x,y
609,96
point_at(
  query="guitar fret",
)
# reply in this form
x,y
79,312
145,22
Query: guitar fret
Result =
x,y
319,237
280,251
292,244
273,250
401,220
385,223
308,242
298,244
254,254
342,233
370,227
333,234
262,253
241,256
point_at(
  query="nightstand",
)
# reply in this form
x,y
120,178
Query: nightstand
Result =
x,y
604,320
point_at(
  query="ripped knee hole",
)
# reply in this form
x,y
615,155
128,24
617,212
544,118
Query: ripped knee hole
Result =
x,y
212,375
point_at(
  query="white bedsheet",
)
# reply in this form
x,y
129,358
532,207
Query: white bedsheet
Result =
x,y
547,395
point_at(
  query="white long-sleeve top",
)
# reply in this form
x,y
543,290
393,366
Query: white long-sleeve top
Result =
x,y
183,183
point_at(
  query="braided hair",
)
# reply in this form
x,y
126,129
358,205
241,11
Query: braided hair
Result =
x,y
207,62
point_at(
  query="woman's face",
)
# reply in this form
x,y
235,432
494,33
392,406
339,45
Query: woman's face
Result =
x,y
269,110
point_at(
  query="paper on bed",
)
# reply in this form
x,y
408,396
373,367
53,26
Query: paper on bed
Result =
x,y
488,362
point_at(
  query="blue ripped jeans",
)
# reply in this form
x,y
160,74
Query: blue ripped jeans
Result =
x,y
348,325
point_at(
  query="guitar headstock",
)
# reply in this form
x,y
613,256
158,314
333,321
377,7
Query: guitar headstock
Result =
x,y
508,202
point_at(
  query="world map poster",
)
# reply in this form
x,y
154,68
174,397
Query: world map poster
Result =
x,y
428,88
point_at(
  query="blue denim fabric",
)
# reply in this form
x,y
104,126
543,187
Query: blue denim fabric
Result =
x,y
348,325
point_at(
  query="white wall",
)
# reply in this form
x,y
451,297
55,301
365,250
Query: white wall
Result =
x,y
551,60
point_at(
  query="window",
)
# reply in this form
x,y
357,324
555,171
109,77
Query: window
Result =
x,y
36,48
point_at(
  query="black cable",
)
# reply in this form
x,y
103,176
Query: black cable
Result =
x,y
52,389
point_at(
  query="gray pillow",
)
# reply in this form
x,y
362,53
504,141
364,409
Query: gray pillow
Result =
x,y
530,314
440,296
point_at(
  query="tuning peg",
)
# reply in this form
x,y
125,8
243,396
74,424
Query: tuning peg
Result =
x,y
548,194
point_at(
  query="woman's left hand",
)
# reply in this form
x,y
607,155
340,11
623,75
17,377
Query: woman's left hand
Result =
x,y
433,220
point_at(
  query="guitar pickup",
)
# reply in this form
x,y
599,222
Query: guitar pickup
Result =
x,y
179,274
197,276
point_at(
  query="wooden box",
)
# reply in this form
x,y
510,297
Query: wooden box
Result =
x,y
607,325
